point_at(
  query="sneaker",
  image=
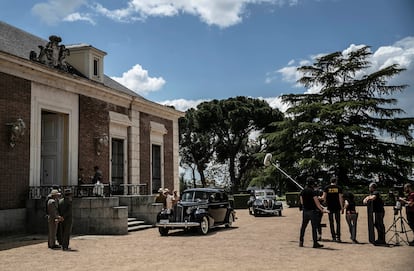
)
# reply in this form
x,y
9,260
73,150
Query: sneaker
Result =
x,y
317,245
301,244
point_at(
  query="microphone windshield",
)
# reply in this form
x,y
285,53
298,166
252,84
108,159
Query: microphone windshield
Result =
x,y
267,159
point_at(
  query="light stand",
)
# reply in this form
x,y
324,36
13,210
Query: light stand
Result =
x,y
402,229
268,161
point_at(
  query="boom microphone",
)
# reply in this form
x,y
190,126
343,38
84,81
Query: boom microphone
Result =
x,y
267,159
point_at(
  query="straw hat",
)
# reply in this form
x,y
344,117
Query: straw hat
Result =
x,y
54,192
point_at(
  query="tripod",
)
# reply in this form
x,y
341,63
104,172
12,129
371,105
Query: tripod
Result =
x,y
399,232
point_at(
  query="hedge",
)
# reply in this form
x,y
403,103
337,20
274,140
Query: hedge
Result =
x,y
292,199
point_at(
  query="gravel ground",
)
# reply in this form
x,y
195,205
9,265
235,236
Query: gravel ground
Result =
x,y
253,243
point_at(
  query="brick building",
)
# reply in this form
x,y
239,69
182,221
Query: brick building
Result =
x,y
60,116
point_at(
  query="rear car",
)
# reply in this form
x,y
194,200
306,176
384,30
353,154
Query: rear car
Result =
x,y
264,202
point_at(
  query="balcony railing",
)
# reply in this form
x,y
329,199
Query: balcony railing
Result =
x,y
90,190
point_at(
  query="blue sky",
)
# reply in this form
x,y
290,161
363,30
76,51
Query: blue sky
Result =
x,y
182,52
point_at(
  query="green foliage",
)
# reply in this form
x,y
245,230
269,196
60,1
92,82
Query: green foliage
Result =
x,y
220,130
341,129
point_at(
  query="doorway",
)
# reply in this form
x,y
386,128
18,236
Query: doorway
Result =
x,y
54,149
117,167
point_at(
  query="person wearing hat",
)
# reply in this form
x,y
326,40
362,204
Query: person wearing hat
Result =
x,y
53,218
310,208
161,198
378,212
65,210
168,199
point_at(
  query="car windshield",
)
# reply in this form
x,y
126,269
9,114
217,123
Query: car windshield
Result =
x,y
264,194
191,196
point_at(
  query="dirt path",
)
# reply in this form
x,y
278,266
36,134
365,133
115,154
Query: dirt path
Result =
x,y
254,243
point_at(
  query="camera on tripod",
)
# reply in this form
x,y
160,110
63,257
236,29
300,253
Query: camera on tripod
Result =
x,y
395,195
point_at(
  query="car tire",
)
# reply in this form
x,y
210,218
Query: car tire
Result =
x,y
163,231
230,221
204,225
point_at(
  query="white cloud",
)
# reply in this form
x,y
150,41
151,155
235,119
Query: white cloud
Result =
x,y
54,11
79,17
138,80
276,103
182,104
222,13
401,53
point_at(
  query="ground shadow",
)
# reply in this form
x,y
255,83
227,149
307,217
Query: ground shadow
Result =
x,y
15,241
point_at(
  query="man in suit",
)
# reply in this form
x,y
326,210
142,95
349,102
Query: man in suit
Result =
x,y
65,210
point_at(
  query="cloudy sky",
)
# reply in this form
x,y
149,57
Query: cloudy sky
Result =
x,y
182,52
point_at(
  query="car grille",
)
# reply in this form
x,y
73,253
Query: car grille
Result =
x,y
268,204
178,213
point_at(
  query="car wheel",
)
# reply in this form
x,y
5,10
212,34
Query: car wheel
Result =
x,y
163,231
204,225
230,221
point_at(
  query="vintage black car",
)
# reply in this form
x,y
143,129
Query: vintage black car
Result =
x,y
263,202
198,208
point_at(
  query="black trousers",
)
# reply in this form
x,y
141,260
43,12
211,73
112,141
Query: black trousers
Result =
x,y
336,233
313,217
379,225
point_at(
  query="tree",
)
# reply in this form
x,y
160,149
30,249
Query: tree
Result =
x,y
342,128
195,144
231,121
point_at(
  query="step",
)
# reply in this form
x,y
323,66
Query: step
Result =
x,y
140,227
134,224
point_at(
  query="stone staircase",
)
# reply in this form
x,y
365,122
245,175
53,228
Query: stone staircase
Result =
x,y
135,225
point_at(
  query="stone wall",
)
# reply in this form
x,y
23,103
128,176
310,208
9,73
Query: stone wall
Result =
x,y
142,207
97,215
12,221
91,215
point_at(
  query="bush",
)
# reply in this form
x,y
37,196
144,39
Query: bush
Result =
x,y
240,201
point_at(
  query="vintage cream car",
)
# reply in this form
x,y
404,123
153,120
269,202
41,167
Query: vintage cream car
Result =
x,y
264,202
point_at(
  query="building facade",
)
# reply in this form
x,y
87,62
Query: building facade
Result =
x,y
61,116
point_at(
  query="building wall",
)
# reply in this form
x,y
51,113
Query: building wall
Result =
x,y
14,162
93,122
145,147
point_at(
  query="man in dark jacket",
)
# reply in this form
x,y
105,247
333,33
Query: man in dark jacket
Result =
x,y
65,210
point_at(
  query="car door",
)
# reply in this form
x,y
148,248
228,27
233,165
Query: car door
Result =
x,y
217,207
